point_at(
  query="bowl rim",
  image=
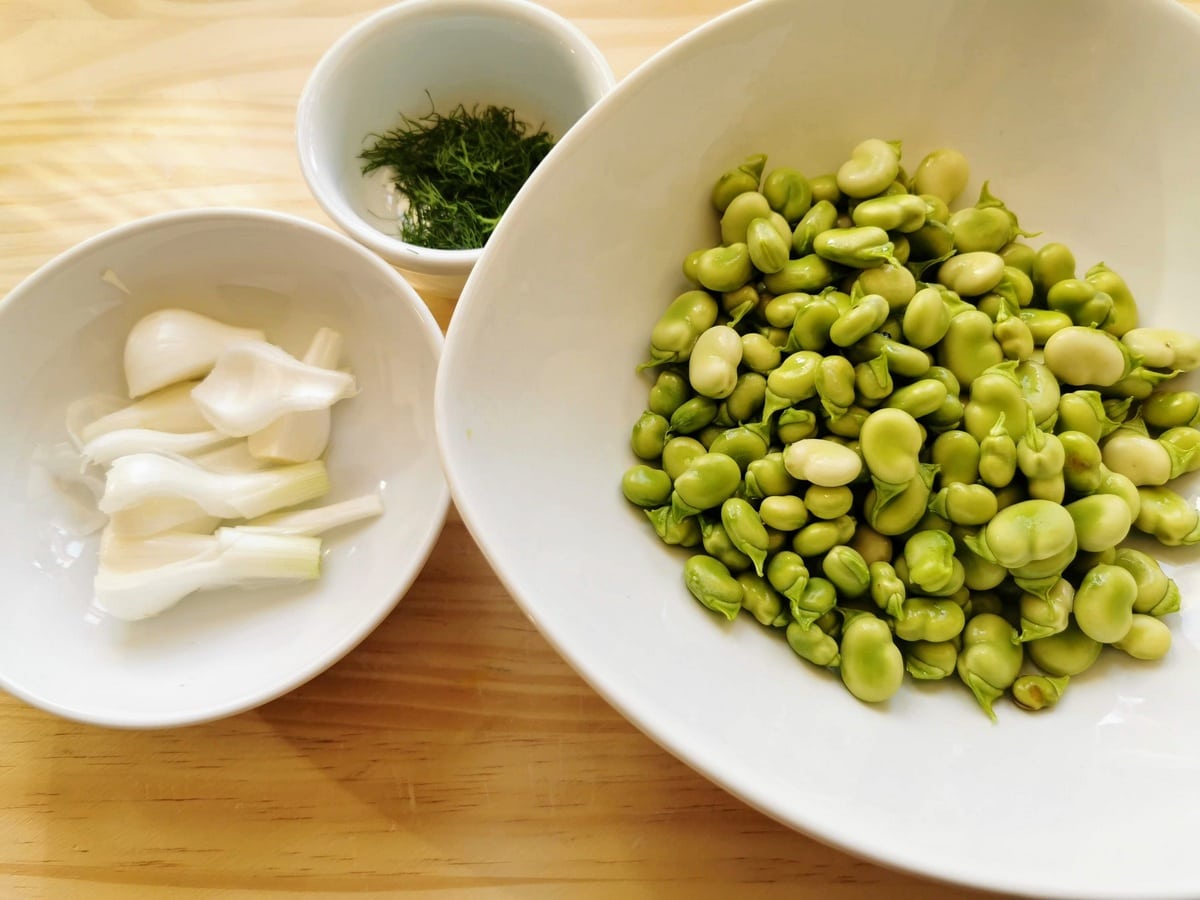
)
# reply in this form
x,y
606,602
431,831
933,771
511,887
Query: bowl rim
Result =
x,y
290,680
429,261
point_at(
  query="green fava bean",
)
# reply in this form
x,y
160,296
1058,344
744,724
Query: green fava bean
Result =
x,y
926,319
814,320
1084,411
899,212
873,380
972,274
1039,455
996,392
1164,348
823,462
942,173
979,574
886,588
1165,515
1103,605
1172,409
806,274
707,482
759,355
820,218
724,269
746,401
818,597
768,250
965,504
678,454
675,333
813,644
828,502
712,584
693,415
738,181
1024,533
1084,356
892,441
894,283
990,659
793,382
1080,301
784,512
745,530
780,311
1124,315
708,434
925,619
672,530
1066,654
743,444
1014,337
1148,638
988,229
1037,692
1157,594
825,189
670,390
1044,616
873,165
871,545
929,660
741,211
872,666
761,601
849,424
719,545
1101,521
788,192
909,362
969,346
787,573
956,454
929,556
1018,256
893,513
816,539
1042,323
856,247
845,568
835,385
713,365
1081,462
1040,389
998,455
646,487
921,398
1051,264
649,435
929,245
795,425
865,316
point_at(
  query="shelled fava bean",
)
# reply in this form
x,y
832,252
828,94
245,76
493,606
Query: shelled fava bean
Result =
x,y
911,441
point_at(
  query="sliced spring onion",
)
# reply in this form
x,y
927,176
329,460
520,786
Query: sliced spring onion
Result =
x,y
172,345
301,436
317,521
171,409
104,449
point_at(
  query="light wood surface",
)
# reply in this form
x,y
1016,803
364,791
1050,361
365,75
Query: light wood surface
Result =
x,y
453,753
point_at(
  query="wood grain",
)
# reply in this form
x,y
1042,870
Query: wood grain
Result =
x,y
453,753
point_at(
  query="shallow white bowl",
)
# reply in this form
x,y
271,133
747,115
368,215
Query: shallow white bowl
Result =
x,y
62,334
1084,116
505,52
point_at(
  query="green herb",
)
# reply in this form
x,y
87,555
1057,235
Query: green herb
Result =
x,y
459,171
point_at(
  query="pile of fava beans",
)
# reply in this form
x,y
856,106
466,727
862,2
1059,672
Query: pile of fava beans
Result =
x,y
910,441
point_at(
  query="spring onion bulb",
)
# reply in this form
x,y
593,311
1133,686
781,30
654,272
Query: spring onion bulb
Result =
x,y
255,383
159,515
104,449
136,479
301,436
172,345
171,409
313,522
233,457
137,579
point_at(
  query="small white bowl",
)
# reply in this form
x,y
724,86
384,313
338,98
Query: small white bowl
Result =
x,y
503,52
1085,117
62,334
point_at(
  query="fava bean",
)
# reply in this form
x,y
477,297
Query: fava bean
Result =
x,y
738,181
1165,515
894,283
929,660
1103,606
942,173
822,216
678,454
741,211
990,659
872,666
649,436
724,269
1147,638
1124,314
713,366
965,504
1068,653
856,247
898,212
719,545
821,462
646,487
969,346
1079,355
1051,264
873,165
806,274
785,512
972,274
692,416
761,601
672,530
712,584
675,333
1044,616
1157,594
708,481
1037,692
813,644
788,192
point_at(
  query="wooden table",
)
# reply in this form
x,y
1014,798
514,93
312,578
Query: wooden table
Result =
x,y
453,753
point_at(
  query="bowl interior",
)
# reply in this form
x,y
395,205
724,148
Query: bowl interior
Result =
x,y
397,62
1089,140
61,338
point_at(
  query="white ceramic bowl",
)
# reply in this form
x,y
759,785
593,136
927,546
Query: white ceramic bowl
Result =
x,y
1084,116
505,52
62,333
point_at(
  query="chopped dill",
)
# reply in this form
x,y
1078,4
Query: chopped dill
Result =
x,y
459,171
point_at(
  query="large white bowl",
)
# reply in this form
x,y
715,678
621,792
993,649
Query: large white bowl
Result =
x,y
1085,117
511,53
62,333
